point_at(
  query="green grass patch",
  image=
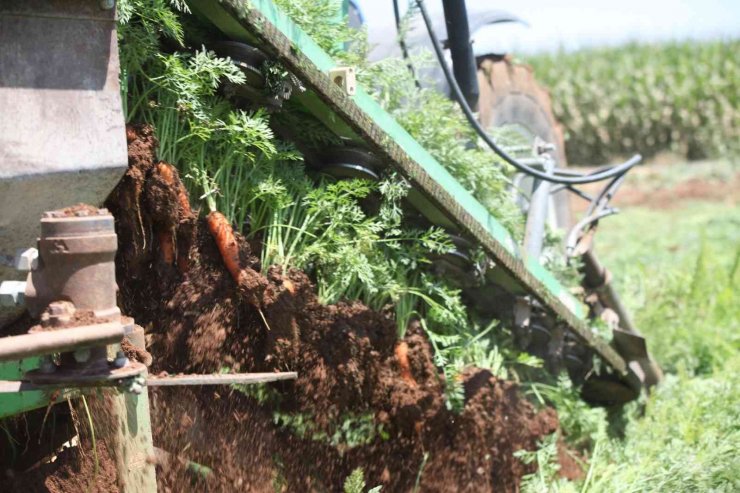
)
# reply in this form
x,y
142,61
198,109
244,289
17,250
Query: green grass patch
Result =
x,y
678,269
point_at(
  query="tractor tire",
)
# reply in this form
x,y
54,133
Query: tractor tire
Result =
x,y
510,95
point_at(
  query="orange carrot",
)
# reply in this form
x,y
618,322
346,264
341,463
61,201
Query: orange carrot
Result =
x,y
222,232
168,174
166,238
182,197
402,355
166,246
130,134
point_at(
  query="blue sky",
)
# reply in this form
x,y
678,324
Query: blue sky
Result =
x,y
572,24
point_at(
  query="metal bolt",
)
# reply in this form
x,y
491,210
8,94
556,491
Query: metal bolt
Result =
x,y
46,365
82,355
135,385
58,313
121,360
26,259
12,293
107,4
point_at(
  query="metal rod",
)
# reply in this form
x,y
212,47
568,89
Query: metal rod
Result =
x,y
59,341
574,236
537,214
598,277
12,386
222,379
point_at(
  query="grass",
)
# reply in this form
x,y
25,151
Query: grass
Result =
x,y
678,270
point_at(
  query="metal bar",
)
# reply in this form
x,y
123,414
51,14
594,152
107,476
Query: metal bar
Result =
x,y
221,379
59,341
598,277
576,231
12,386
534,233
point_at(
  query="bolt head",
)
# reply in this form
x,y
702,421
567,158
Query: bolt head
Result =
x,y
26,259
82,355
12,293
47,365
121,360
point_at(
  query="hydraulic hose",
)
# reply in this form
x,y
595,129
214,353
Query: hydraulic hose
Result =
x,y
470,116
402,43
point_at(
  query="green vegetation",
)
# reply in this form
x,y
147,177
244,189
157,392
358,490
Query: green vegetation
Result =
x,y
686,299
355,483
679,269
682,97
232,159
689,437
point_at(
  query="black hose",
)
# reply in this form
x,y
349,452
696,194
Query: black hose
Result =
x,y
590,178
464,67
402,44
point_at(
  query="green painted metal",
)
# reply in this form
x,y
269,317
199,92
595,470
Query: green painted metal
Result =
x,y
133,442
11,404
260,22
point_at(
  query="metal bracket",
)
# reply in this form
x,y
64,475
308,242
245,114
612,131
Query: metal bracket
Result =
x,y
345,78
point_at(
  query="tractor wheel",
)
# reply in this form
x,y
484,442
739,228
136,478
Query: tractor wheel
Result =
x,y
511,97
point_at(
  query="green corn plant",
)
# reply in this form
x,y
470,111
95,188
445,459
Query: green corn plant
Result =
x,y
679,96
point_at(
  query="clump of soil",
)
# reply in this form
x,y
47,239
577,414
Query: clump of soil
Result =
x,y
71,471
55,451
199,320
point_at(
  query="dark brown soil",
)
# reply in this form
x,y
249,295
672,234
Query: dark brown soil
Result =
x,y
71,471
44,461
199,321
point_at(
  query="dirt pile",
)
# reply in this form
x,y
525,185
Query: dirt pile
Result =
x,y
53,450
349,390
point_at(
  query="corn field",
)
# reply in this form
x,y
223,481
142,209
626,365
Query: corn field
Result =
x,y
680,97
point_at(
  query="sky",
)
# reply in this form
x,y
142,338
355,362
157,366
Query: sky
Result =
x,y
574,24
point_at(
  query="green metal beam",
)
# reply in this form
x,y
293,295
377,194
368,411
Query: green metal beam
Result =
x,y
11,404
260,22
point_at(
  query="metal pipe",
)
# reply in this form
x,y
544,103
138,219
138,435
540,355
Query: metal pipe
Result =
x,y
59,341
220,379
463,60
598,278
537,214
574,236
402,44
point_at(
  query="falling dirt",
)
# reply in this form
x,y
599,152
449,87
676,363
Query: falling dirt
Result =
x,y
56,453
363,398
199,320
